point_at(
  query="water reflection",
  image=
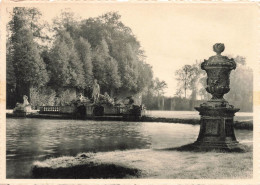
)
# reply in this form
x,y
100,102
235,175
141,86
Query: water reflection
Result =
x,y
37,139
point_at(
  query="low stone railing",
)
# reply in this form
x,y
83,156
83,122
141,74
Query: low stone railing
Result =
x,y
45,109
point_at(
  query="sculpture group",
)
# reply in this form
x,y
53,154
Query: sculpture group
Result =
x,y
24,107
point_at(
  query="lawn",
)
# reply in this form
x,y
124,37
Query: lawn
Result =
x,y
148,163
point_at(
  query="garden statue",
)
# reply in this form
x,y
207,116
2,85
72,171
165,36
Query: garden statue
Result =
x,y
216,125
24,107
96,91
82,98
108,99
25,101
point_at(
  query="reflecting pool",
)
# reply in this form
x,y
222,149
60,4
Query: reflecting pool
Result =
x,y
28,140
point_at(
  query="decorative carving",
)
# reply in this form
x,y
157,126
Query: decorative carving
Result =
x,y
218,69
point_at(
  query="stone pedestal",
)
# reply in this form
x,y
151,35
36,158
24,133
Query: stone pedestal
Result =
x,y
216,128
216,125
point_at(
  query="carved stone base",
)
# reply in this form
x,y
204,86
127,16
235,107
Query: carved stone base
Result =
x,y
221,146
216,128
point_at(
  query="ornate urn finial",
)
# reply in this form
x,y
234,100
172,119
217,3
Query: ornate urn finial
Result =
x,y
218,68
218,48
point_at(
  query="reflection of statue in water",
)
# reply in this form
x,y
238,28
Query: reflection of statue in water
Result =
x,y
24,107
96,91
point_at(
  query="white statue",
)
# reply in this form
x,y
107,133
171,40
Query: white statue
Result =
x,y
24,107
25,101
96,91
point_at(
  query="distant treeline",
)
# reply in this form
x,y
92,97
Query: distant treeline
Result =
x,y
71,53
174,103
191,89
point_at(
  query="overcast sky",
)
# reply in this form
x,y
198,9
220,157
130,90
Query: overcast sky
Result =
x,y
173,35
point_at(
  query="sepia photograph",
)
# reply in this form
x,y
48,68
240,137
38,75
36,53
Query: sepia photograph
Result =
x,y
121,90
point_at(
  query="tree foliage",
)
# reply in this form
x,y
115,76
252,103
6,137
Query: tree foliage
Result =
x,y
187,78
117,60
154,94
66,67
78,52
159,86
23,52
85,55
241,86
122,46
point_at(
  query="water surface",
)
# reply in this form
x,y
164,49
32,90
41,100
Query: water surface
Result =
x,y
38,139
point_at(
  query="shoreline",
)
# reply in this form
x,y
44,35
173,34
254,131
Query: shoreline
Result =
x,y
243,124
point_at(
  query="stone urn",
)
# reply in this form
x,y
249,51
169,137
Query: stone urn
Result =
x,y
218,69
216,124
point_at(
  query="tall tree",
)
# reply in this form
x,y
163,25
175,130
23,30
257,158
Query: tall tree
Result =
x,y
10,74
113,80
196,75
66,67
29,68
185,77
85,55
122,46
159,86
105,69
67,21
101,53
145,76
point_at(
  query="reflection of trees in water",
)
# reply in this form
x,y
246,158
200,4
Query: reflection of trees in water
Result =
x,y
109,136
23,136
70,138
22,146
35,139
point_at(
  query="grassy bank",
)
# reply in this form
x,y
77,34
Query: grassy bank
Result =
x,y
148,163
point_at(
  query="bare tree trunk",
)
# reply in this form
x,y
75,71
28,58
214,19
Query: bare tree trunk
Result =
x,y
162,102
158,102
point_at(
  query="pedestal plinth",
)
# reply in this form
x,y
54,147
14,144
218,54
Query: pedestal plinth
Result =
x,y
217,116
217,128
